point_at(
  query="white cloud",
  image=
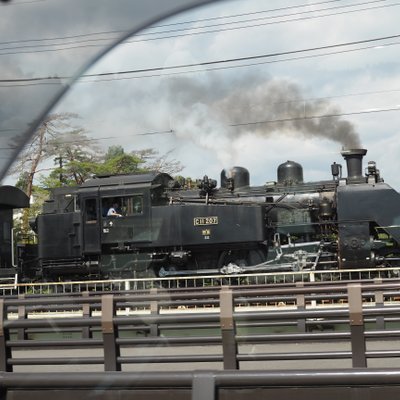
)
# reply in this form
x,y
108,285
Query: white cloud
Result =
x,y
202,140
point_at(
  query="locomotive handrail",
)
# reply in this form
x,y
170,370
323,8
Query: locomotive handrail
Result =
x,y
191,296
167,297
203,281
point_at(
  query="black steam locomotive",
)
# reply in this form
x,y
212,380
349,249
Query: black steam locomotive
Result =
x,y
149,224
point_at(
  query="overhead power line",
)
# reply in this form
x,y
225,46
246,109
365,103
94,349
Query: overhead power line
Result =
x,y
264,24
343,114
274,121
208,63
271,10
270,17
248,123
169,24
114,76
305,100
191,71
92,42
248,58
88,140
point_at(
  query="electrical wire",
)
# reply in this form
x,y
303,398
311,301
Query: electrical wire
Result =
x,y
5,51
239,59
310,117
88,140
169,24
249,123
263,24
214,62
250,13
116,78
269,17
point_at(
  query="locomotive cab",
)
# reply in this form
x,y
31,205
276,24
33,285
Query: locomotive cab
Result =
x,y
131,222
130,197
117,219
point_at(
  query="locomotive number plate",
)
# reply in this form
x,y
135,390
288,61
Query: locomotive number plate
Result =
x,y
198,221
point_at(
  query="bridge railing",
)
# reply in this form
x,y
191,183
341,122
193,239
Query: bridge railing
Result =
x,y
214,343
355,384
226,328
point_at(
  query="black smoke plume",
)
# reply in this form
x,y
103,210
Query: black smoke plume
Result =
x,y
253,105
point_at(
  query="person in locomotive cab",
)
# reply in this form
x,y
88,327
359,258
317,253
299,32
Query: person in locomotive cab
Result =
x,y
113,211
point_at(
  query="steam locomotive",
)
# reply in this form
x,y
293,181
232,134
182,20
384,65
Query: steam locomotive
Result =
x,y
161,227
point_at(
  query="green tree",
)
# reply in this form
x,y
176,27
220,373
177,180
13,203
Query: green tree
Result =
x,y
77,158
116,161
122,164
58,138
154,162
114,151
75,154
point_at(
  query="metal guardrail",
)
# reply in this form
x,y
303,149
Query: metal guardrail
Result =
x,y
356,384
231,317
242,326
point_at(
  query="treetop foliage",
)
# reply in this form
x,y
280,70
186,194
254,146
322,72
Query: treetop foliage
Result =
x,y
76,157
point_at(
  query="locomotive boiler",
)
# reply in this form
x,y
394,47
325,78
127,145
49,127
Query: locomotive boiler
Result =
x,y
163,228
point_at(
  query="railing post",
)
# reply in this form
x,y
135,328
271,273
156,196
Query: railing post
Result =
x,y
127,288
229,345
203,386
301,306
358,346
86,332
379,302
21,335
111,349
5,352
154,310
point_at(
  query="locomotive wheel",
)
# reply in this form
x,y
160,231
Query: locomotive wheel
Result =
x,y
256,256
392,264
242,258
237,257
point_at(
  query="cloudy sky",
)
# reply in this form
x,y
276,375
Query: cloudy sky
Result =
x,y
45,44
254,83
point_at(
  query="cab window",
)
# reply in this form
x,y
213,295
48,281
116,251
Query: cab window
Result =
x,y
90,211
126,206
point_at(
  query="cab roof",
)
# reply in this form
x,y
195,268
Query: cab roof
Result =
x,y
147,179
12,197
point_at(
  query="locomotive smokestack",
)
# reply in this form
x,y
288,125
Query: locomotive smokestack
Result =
x,y
353,159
